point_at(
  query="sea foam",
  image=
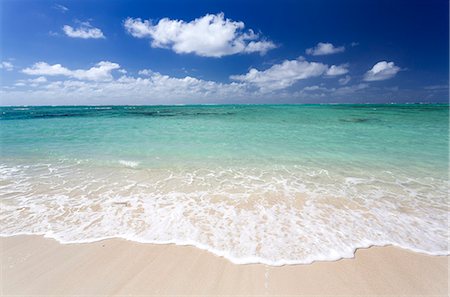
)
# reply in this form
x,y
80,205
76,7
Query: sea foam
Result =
x,y
276,216
131,164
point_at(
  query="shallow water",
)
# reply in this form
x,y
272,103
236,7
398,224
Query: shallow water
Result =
x,y
275,184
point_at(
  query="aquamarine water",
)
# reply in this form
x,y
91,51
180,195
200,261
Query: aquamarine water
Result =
x,y
276,184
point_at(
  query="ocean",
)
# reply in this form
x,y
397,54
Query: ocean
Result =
x,y
272,184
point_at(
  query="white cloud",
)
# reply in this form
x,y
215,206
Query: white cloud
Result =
x,y
104,84
154,88
140,29
61,8
381,71
32,82
150,87
312,88
84,31
345,80
42,68
283,75
210,36
100,72
145,72
331,94
8,66
337,70
324,48
39,80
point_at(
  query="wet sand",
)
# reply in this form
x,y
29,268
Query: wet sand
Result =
x,y
33,265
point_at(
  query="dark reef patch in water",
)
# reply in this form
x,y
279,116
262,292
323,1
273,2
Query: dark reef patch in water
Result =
x,y
175,114
357,120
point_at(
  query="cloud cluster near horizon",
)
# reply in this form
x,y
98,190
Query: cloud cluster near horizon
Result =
x,y
107,80
281,76
100,72
209,36
81,87
97,84
212,35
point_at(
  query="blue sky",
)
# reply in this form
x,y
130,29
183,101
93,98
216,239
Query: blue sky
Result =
x,y
182,52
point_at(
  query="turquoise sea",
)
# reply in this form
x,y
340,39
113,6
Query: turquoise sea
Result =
x,y
274,184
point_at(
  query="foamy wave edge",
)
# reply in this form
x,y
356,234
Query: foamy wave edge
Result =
x,y
241,260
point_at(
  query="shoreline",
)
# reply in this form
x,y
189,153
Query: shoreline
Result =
x,y
221,254
32,264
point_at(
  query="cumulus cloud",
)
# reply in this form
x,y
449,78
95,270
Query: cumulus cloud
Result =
x,y
84,31
145,72
324,48
337,70
100,72
8,66
42,68
39,80
32,82
283,75
381,71
210,36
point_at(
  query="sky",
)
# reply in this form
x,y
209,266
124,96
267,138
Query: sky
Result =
x,y
106,52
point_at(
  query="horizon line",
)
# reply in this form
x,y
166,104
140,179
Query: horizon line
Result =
x,y
224,104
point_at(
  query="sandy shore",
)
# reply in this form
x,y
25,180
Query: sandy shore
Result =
x,y
33,265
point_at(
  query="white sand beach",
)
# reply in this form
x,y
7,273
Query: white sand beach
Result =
x,y
33,265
